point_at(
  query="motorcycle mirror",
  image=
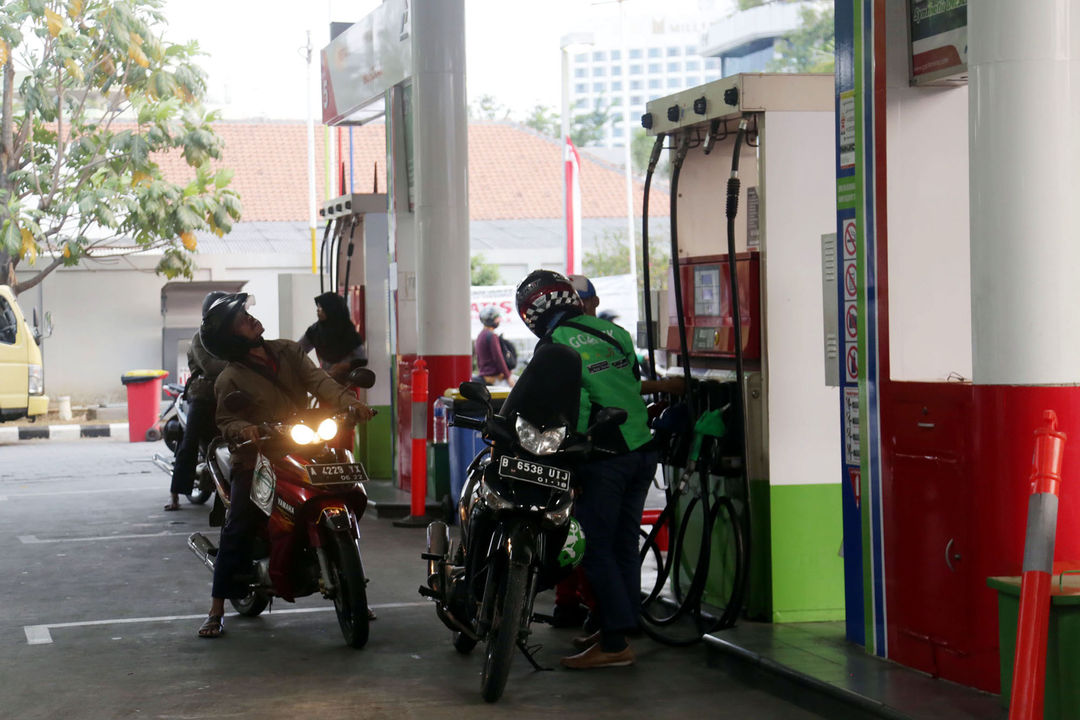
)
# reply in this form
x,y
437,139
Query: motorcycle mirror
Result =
x,y
237,401
361,377
477,392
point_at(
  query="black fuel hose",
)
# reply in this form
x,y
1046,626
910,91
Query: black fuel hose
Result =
x,y
732,211
322,256
658,146
676,170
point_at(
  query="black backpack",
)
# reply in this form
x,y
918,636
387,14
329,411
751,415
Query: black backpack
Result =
x,y
509,352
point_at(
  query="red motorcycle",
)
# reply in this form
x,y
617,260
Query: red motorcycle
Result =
x,y
313,496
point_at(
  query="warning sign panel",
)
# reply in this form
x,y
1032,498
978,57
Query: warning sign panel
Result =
x,y
850,241
851,426
851,364
855,477
851,322
851,280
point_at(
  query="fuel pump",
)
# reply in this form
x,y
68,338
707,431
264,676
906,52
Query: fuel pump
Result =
x,y
740,307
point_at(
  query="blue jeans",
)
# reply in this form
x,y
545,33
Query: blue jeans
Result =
x,y
609,510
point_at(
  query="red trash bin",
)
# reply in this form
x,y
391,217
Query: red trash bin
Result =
x,y
143,401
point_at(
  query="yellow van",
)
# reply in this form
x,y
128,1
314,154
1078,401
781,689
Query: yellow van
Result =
x,y
22,383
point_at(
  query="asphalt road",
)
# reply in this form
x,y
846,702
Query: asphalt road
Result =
x,y
101,600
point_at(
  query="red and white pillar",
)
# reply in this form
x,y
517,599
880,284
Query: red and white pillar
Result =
x,y
441,186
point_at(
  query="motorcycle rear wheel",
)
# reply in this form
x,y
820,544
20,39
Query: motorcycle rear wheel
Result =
x,y
350,600
502,638
253,604
199,496
463,643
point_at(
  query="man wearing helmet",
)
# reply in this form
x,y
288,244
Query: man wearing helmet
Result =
x,y
491,364
613,489
199,430
277,375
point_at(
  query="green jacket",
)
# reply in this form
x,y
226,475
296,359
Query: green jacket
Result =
x,y
274,401
609,378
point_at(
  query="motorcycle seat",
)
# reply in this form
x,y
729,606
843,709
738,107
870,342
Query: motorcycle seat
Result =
x,y
224,463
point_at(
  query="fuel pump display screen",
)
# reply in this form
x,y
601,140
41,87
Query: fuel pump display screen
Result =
x,y
707,291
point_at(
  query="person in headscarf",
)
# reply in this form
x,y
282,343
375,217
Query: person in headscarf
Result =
x,y
334,338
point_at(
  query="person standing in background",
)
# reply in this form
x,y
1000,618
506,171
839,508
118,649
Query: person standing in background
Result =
x,y
491,365
334,338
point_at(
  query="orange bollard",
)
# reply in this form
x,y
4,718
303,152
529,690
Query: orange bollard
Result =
x,y
418,491
1029,665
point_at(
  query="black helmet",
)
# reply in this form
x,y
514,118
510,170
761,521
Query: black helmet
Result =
x,y
216,330
211,298
543,298
488,315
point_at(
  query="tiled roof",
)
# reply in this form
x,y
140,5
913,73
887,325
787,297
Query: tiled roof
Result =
x,y
514,172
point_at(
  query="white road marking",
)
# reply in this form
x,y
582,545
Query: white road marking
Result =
x,y
35,540
40,635
3,498
54,493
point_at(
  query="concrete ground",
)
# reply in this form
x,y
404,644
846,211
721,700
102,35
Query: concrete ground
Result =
x,y
102,598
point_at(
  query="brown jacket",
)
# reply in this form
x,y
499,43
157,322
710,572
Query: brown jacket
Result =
x,y
274,401
205,369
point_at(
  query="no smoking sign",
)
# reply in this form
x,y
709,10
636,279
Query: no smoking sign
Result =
x,y
850,245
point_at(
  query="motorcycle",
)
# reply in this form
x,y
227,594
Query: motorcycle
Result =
x,y
516,533
170,427
313,496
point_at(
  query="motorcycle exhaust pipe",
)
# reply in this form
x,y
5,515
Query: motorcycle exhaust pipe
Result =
x,y
203,549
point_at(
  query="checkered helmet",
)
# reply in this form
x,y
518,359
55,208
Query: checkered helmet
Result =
x,y
542,297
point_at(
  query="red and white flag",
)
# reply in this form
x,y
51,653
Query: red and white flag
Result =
x,y
572,166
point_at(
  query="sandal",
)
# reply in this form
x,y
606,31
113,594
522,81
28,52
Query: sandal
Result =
x,y
172,506
213,626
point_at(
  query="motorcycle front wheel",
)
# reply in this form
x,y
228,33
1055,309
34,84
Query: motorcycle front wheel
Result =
x,y
350,600
502,638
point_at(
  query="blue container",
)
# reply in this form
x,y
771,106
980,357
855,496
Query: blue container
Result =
x,y
465,444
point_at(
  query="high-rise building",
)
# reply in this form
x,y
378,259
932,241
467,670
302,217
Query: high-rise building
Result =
x,y
661,57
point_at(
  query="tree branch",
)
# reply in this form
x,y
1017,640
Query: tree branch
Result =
x,y
36,280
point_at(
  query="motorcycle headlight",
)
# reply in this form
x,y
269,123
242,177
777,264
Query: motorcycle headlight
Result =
x,y
327,429
301,434
537,442
494,500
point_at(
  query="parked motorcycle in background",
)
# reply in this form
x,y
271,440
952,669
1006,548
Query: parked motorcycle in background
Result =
x,y
516,535
170,427
313,496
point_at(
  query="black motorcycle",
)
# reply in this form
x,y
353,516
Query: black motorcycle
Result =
x,y
514,511
171,425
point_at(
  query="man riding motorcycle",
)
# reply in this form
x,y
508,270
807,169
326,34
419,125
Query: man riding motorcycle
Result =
x,y
614,488
277,375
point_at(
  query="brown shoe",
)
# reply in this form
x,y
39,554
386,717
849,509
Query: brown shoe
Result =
x,y
586,641
595,657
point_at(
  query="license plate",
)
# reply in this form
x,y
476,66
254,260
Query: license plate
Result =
x,y
535,473
335,473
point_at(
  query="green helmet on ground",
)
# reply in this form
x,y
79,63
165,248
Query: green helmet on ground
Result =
x,y
573,550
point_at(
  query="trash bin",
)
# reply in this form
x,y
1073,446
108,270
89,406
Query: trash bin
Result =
x,y
464,444
1062,647
143,403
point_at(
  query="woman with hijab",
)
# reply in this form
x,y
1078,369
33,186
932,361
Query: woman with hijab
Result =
x,y
334,338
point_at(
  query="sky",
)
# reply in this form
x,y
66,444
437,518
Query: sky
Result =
x,y
256,64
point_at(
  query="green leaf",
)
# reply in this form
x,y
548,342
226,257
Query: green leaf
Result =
x,y
223,178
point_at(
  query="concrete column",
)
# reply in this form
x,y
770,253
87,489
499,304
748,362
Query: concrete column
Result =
x,y
1024,93
440,135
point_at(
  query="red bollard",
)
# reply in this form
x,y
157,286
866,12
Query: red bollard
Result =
x,y
1029,665
418,489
